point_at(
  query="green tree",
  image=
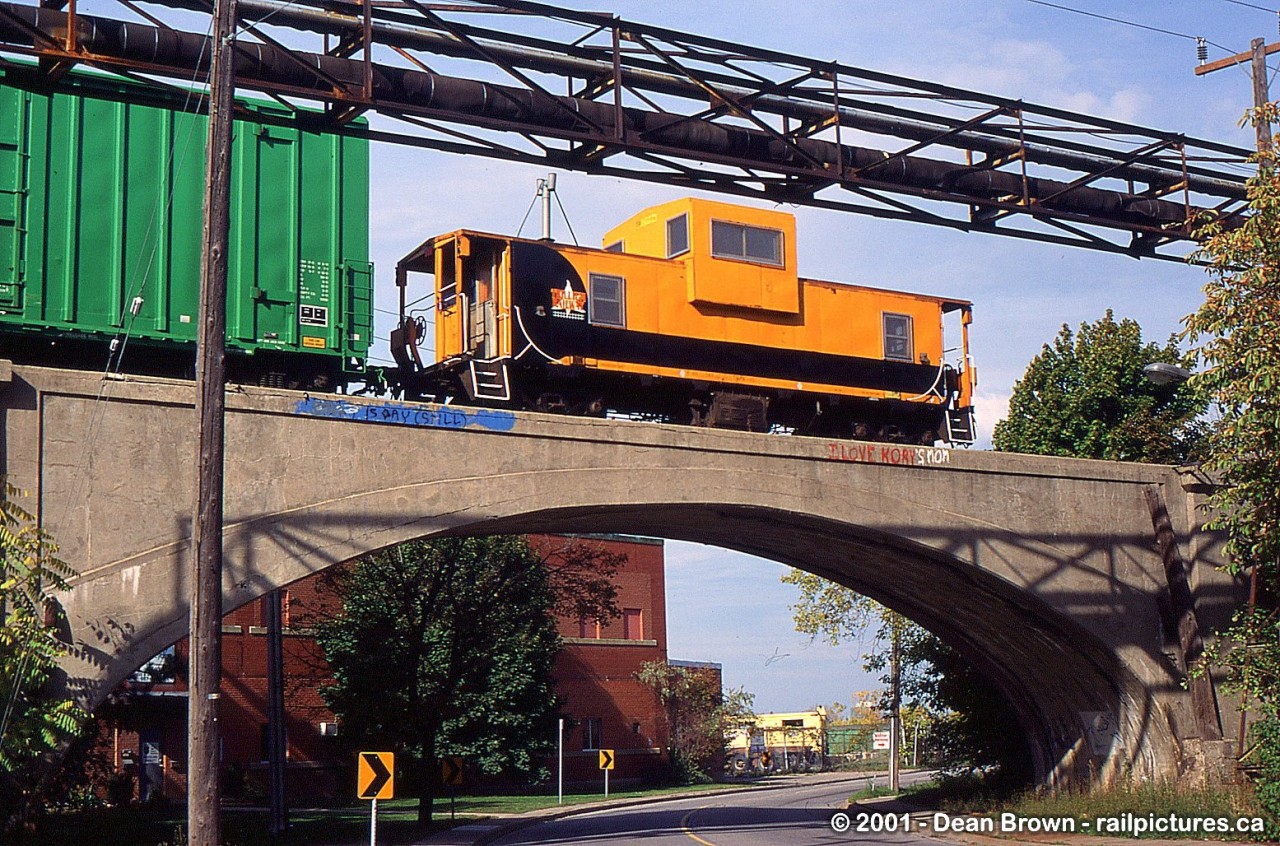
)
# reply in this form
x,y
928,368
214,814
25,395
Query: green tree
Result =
x,y
1085,396
971,719
33,723
445,647
973,727
700,717
1236,335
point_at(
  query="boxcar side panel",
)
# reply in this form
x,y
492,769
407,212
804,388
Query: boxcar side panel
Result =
x,y
100,203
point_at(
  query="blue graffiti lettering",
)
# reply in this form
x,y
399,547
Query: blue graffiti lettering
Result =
x,y
424,416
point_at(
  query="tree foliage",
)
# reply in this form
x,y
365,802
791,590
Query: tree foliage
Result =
x,y
1236,336
33,724
445,647
971,723
701,717
1085,396
974,727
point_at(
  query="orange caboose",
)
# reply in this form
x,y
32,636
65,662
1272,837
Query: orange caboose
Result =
x,y
692,312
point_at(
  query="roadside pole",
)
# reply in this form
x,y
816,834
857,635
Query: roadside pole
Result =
x,y
375,778
560,764
895,707
1201,685
606,764
204,777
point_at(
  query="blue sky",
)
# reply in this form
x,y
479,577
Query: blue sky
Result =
x,y
1023,292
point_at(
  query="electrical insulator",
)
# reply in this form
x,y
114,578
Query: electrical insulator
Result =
x,y
1202,50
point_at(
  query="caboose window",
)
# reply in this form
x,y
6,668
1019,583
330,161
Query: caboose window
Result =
x,y
606,300
746,243
677,235
897,337
615,247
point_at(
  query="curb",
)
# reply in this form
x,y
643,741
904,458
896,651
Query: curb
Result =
x,y
484,833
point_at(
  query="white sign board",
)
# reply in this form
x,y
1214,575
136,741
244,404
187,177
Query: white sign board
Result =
x,y
880,740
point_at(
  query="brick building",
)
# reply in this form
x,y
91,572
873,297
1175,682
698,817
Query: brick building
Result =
x,y
595,672
605,706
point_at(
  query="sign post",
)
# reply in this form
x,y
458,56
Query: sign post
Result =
x,y
375,779
606,764
451,777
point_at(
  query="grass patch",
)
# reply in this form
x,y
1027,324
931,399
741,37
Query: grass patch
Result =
x,y
1141,799
872,791
397,821
498,805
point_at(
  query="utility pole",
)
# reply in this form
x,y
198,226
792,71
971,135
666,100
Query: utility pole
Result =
x,y
1257,58
895,701
204,781
276,741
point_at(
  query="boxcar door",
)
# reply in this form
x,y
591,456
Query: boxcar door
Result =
x,y
266,239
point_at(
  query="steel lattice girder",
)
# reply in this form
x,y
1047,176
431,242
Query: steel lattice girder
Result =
x,y
759,136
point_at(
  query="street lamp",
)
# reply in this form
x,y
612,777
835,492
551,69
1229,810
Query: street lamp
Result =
x,y
1163,373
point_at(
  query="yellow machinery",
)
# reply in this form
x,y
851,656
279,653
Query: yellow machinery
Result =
x,y
692,312
779,742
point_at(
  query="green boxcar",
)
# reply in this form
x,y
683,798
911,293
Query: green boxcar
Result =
x,y
100,204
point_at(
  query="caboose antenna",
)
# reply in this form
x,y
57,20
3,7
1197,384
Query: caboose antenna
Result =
x,y
546,188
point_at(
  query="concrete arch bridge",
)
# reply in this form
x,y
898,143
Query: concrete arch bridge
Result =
x,y
1075,585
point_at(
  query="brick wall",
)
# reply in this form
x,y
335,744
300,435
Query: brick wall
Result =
x,y
595,678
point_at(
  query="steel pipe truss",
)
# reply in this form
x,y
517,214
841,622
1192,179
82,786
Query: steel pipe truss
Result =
x,y
530,82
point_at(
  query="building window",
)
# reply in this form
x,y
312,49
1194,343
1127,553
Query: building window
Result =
x,y
632,624
590,734
677,235
606,302
746,243
615,247
589,628
897,337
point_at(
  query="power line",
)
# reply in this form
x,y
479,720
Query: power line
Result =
x,y
1197,38
1250,6
1119,21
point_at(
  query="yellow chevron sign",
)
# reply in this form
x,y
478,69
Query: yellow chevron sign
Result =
x,y
375,775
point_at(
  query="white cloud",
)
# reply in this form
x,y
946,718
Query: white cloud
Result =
x,y
989,408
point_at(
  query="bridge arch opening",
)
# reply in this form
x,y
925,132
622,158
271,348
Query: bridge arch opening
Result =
x,y
1082,712
1070,691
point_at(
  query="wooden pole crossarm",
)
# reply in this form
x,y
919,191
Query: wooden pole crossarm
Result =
x,y
1232,61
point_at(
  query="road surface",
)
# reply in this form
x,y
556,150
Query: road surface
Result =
x,y
796,816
